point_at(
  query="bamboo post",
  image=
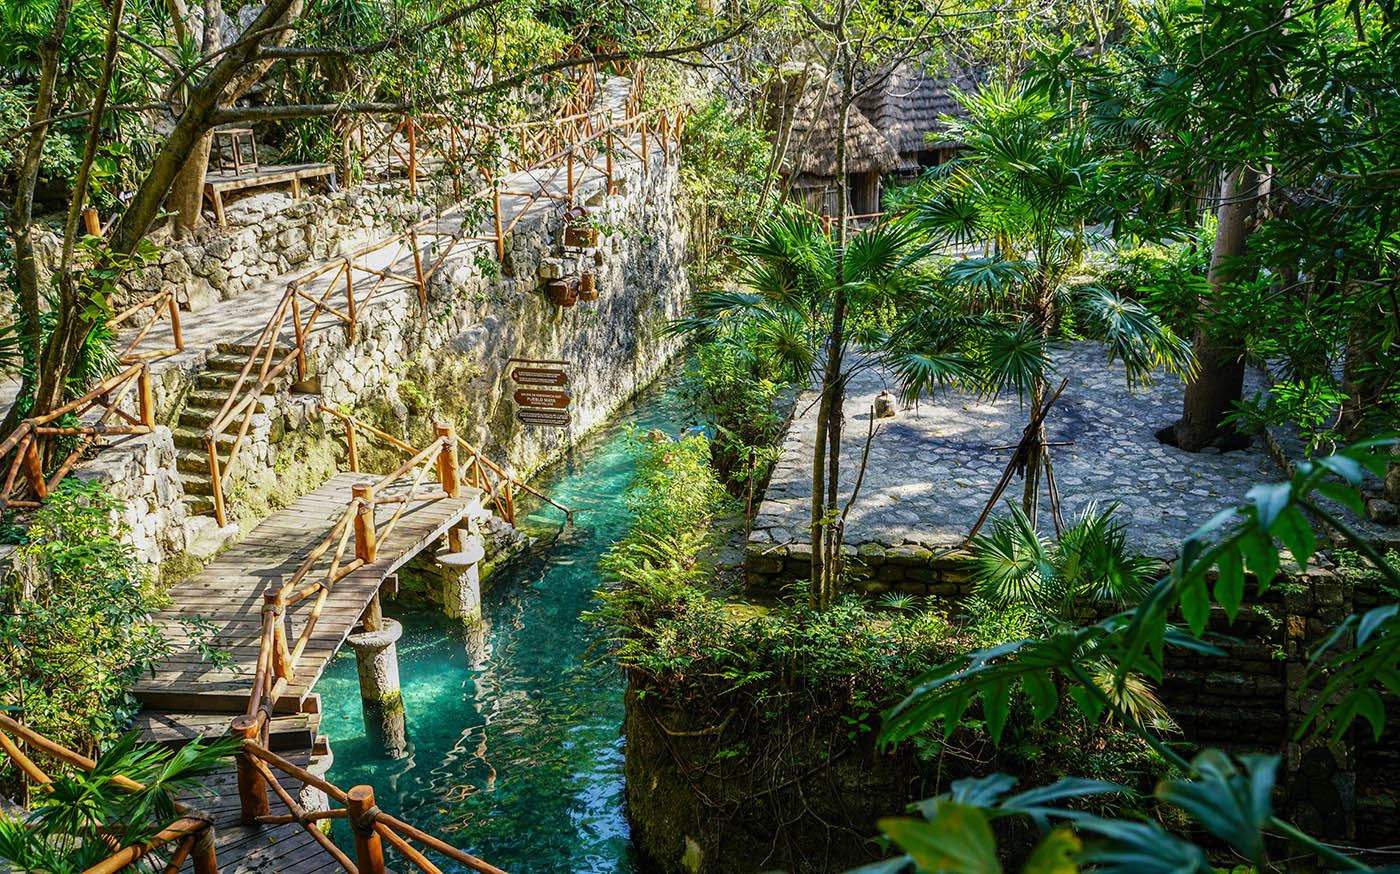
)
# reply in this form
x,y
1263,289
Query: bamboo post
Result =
x,y
456,167
645,152
91,223
34,468
448,473
369,849
296,328
570,189
252,791
365,545
418,269
665,138
147,401
510,501
204,856
175,323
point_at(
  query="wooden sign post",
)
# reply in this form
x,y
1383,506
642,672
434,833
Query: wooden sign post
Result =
x,y
542,395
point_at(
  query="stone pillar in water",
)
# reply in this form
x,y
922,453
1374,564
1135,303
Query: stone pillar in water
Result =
x,y
461,580
377,660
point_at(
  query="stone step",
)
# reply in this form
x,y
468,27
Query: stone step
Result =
x,y
193,462
225,361
209,398
196,483
193,438
199,505
198,417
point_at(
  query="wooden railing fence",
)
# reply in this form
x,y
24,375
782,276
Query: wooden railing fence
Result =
x,y
371,827
499,486
189,838
26,442
427,245
161,305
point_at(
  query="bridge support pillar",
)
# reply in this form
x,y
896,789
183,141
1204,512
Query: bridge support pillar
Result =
x,y
461,580
377,661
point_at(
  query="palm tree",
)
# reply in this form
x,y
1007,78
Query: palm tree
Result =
x,y
1024,188
897,315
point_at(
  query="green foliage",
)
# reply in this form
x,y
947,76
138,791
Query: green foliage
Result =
x,y
1089,563
724,161
1229,798
737,389
83,817
75,632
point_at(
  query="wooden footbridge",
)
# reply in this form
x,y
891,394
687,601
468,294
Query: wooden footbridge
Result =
x,y
278,606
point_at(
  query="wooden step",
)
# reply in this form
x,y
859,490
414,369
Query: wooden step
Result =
x,y
228,701
295,731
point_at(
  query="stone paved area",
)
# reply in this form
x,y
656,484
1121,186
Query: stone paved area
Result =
x,y
933,467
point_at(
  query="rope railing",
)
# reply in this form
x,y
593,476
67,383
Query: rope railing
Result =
x,y
189,838
26,441
344,297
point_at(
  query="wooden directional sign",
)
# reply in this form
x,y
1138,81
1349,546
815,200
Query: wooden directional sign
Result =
x,y
545,376
543,398
532,416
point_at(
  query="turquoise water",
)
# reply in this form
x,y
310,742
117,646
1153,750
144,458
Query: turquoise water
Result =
x,y
515,753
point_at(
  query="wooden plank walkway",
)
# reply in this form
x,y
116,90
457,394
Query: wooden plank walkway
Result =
x,y
187,697
227,596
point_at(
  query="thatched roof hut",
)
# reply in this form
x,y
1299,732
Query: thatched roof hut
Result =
x,y
812,144
907,105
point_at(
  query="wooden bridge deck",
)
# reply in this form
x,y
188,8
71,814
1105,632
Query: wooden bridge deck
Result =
x,y
227,598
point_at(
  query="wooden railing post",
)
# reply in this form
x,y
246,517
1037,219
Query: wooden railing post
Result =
x,y
418,270
275,602
570,189
369,850
297,330
610,161
448,473
204,855
412,155
645,160
252,791
352,447
34,467
147,401
175,323
350,295
365,545
216,477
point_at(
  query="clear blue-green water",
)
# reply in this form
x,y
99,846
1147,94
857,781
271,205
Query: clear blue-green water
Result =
x,y
515,753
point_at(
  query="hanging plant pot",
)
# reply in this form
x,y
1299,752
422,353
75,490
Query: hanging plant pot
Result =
x,y
577,232
587,288
562,292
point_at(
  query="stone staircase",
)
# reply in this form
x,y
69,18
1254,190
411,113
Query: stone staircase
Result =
x,y
211,389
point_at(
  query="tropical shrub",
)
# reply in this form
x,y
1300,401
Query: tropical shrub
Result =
x,y
74,632
83,817
1229,797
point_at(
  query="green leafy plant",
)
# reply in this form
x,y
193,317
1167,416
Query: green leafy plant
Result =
x,y
83,817
75,632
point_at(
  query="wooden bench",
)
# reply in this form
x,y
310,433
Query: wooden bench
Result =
x,y
216,184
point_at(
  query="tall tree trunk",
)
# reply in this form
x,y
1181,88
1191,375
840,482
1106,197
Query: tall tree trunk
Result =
x,y
186,197
21,216
826,573
1219,378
